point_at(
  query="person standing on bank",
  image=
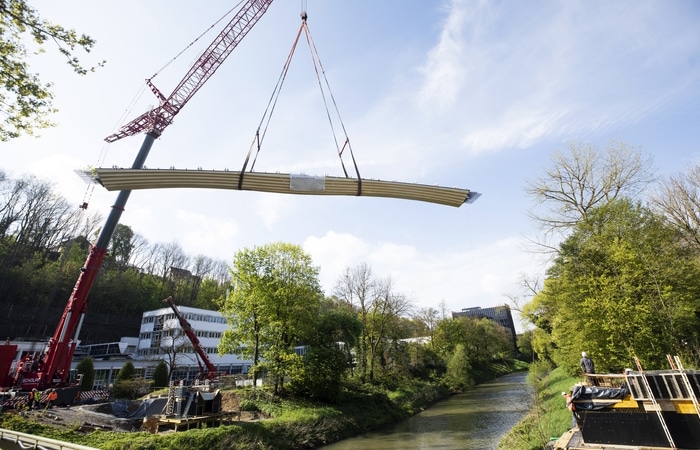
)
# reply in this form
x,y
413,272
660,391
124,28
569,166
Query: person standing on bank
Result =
x,y
32,397
588,368
571,407
52,396
586,364
37,400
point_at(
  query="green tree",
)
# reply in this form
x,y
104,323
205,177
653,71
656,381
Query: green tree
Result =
x,y
380,309
127,372
623,285
525,345
210,291
272,308
678,199
86,368
385,311
582,178
489,341
421,360
429,318
356,287
458,375
122,245
448,333
328,358
481,340
25,101
126,384
160,375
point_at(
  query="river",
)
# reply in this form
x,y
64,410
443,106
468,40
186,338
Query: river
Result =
x,y
476,419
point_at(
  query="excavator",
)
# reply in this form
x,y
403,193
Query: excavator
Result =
x,y
211,372
52,368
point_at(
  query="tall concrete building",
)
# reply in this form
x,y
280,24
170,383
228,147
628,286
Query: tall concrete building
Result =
x,y
499,314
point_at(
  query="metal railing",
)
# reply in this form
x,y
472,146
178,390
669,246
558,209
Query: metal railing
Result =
x,y
25,440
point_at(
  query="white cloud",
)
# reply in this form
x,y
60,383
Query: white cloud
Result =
x,y
446,62
47,168
511,77
334,252
204,234
462,277
267,210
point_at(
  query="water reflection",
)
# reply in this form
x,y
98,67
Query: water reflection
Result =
x,y
477,419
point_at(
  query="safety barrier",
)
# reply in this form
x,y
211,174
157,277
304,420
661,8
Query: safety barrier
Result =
x,y
30,441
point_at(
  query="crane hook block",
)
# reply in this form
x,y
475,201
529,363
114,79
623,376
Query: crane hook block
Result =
x,y
304,16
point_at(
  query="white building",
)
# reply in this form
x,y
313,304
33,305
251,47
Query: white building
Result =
x,y
160,338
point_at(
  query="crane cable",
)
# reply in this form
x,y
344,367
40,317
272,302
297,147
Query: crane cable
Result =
x,y
269,110
235,8
88,175
315,57
267,114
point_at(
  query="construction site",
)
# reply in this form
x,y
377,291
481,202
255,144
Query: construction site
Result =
x,y
49,370
181,409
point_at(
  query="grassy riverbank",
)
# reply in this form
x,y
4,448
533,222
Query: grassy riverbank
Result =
x,y
293,423
548,417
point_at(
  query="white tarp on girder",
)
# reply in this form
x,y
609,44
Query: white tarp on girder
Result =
x,y
303,182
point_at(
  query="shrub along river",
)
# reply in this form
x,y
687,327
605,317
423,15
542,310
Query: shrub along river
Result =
x,y
476,419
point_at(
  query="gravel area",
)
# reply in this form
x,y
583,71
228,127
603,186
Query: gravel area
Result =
x,y
101,416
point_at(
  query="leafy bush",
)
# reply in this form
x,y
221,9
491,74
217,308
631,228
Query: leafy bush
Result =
x,y
86,367
160,375
130,389
127,372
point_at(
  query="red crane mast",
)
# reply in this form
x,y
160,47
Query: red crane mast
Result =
x,y
211,372
53,368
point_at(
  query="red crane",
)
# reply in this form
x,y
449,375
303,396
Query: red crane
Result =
x,y
211,372
53,367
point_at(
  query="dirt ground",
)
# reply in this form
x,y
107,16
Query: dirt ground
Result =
x,y
100,416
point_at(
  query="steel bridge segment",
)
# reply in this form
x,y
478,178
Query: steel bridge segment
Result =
x,y
135,179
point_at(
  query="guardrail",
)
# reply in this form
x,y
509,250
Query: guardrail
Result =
x,y
30,441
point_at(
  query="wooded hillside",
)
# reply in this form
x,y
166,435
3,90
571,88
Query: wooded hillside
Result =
x,y
44,241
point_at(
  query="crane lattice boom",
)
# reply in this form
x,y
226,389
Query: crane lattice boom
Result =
x,y
212,371
159,118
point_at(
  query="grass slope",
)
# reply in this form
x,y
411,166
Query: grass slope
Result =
x,y
548,417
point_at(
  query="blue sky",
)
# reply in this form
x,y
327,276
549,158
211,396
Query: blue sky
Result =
x,y
474,94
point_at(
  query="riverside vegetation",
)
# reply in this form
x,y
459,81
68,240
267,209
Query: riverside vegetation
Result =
x,y
294,423
548,417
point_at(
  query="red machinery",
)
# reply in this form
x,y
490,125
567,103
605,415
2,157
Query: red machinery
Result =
x,y
52,369
211,371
